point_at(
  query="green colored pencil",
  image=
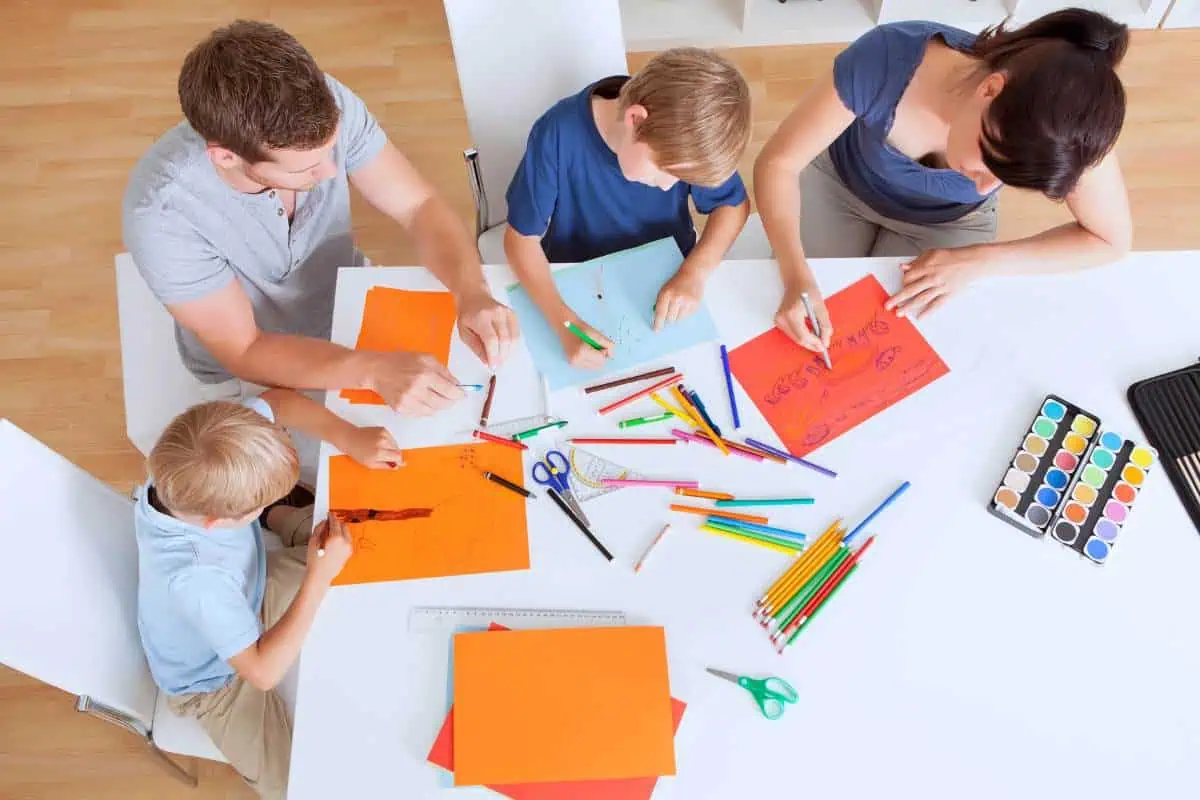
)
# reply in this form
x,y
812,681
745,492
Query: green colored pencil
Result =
x,y
782,501
633,423
535,431
809,590
578,331
804,622
720,524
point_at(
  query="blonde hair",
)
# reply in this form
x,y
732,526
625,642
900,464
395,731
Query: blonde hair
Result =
x,y
697,113
222,460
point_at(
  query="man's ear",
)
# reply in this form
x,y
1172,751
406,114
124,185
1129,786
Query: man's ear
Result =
x,y
222,156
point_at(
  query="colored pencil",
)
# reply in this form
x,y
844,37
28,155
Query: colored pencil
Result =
x,y
786,455
737,422
729,527
487,402
641,376
802,584
768,529
669,483
699,439
698,404
617,440
558,423
709,512
521,490
683,401
815,557
739,538
761,455
891,498
816,327
624,401
831,531
581,334
675,411
788,611
802,622
583,528
837,577
641,561
487,437
698,493
639,421
779,501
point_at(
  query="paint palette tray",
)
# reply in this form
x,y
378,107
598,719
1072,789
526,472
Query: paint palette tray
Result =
x,y
1051,452
1073,480
1168,409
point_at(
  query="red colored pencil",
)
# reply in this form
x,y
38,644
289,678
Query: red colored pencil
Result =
x,y
624,401
487,437
830,584
618,440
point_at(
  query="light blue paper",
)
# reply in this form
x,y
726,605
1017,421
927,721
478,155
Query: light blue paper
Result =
x,y
615,294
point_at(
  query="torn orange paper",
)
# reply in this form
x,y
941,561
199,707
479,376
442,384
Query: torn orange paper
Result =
x,y
400,320
474,525
569,704
878,360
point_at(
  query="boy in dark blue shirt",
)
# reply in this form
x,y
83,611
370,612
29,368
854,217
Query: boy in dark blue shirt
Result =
x,y
614,166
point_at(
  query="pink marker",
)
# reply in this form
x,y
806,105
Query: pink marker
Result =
x,y
648,482
692,437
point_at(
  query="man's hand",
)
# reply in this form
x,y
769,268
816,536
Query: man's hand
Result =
x,y
487,327
415,384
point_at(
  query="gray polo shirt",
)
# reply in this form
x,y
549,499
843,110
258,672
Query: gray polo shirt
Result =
x,y
191,233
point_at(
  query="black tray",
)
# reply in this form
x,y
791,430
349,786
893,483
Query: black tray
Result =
x,y
1168,409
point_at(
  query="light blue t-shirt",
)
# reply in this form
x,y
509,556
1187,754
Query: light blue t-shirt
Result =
x,y
200,594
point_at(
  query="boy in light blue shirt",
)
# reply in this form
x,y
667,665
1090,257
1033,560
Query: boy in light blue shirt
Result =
x,y
221,620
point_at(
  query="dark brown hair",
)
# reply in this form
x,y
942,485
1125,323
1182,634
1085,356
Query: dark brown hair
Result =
x,y
251,86
1062,105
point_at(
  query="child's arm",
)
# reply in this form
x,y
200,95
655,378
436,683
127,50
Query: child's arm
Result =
x,y
372,447
680,296
264,663
533,271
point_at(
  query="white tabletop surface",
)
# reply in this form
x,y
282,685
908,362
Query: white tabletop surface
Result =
x,y
964,658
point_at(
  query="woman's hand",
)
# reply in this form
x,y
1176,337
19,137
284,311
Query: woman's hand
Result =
x,y
933,277
793,320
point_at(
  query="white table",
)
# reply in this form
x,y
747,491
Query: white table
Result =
x,y
964,659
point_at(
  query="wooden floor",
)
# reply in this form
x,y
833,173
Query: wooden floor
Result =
x,y
85,87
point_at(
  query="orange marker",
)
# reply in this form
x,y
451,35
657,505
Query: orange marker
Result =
x,y
716,512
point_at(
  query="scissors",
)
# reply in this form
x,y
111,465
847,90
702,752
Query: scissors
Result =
x,y
554,472
771,694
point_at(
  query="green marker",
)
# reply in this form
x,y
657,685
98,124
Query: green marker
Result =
x,y
578,331
633,423
535,431
783,501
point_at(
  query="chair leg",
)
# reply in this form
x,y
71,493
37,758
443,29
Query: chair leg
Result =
x,y
475,179
87,705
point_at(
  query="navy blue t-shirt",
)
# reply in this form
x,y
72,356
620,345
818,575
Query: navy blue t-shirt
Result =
x,y
569,189
870,76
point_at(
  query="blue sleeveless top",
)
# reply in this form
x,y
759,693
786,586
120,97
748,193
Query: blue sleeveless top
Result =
x,y
870,76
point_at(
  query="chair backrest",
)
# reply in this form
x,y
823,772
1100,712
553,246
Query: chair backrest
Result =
x,y
157,385
515,59
68,578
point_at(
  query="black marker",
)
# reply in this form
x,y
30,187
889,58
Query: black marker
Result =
x,y
507,484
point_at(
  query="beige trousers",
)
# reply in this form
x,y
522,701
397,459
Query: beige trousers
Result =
x,y
834,223
251,727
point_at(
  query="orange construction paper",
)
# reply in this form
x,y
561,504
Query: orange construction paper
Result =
x,y
568,704
878,360
442,755
399,320
475,525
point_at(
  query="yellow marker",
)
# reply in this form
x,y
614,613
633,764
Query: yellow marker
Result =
x,y
769,545
672,409
702,424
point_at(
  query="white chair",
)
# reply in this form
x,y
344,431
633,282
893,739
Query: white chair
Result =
x,y
157,385
515,59
68,597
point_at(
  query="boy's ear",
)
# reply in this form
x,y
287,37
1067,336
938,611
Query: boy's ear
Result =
x,y
221,156
634,116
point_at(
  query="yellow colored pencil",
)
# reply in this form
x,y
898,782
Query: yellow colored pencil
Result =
x,y
769,545
818,555
703,425
798,564
673,410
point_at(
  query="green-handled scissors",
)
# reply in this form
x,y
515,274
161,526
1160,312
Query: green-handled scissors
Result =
x,y
771,694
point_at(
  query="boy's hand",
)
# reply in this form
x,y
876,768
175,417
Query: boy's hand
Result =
x,y
582,355
374,448
679,297
333,539
793,320
415,384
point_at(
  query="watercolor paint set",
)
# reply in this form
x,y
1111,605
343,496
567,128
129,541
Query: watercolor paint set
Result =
x,y
1072,479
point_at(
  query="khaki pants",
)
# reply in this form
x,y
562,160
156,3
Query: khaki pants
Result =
x,y
250,727
834,223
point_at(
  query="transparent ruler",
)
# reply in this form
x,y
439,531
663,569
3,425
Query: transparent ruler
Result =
x,y
437,619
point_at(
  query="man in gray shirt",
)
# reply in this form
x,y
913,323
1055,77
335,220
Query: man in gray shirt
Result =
x,y
239,217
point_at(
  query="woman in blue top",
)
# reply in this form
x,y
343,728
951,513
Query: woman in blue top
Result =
x,y
901,150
